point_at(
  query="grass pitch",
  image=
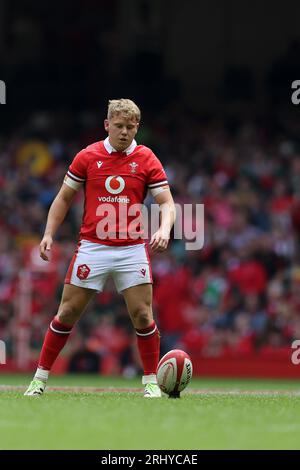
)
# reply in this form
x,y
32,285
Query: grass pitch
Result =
x,y
92,412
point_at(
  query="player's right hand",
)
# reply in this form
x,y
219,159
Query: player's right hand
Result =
x,y
45,247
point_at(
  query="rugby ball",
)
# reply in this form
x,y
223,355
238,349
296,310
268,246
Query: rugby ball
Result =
x,y
174,372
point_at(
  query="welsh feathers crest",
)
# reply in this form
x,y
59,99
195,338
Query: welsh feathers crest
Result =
x,y
133,167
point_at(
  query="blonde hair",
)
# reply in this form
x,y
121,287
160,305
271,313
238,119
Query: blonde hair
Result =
x,y
124,106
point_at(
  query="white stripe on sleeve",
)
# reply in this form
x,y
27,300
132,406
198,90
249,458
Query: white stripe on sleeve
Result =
x,y
72,184
155,185
77,178
156,191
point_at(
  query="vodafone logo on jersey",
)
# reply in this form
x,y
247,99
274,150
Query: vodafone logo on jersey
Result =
x,y
114,184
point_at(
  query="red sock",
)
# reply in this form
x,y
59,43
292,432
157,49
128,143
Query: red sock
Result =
x,y
148,344
55,339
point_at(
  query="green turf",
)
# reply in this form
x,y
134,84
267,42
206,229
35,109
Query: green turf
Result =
x,y
63,420
198,383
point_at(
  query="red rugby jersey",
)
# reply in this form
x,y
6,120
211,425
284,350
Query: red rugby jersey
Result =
x,y
114,183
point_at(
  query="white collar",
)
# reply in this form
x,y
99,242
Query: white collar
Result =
x,y
110,149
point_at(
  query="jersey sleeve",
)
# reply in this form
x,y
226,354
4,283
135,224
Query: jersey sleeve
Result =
x,y
76,175
156,176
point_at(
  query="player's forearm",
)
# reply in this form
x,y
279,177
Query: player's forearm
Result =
x,y
167,216
56,215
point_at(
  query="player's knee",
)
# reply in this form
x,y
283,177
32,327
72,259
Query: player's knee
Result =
x,y
68,314
142,317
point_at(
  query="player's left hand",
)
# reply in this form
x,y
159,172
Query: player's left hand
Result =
x,y
159,241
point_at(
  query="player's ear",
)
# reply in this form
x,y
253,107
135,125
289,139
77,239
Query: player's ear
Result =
x,y
137,127
106,124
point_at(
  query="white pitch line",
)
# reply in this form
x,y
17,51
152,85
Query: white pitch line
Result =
x,y
191,391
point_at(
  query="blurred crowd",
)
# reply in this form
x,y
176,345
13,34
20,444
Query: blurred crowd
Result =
x,y
237,296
